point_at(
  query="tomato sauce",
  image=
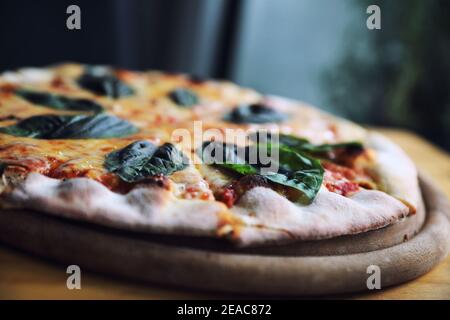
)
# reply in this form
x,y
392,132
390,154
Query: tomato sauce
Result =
x,y
340,179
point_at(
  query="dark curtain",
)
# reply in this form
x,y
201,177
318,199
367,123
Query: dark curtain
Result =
x,y
191,36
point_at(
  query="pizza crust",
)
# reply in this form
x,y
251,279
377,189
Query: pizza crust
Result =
x,y
146,208
397,172
260,217
330,215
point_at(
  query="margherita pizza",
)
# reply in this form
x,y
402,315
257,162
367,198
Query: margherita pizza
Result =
x,y
127,150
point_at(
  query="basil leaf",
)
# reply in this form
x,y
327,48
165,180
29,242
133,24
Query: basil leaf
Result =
x,y
304,146
292,142
213,152
254,113
35,127
300,174
71,127
58,102
321,150
102,81
184,97
142,159
350,146
301,144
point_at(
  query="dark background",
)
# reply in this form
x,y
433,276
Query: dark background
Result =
x,y
319,51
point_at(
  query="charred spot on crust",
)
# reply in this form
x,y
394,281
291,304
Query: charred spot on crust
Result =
x,y
249,182
232,192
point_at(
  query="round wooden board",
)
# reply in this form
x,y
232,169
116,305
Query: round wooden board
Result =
x,y
318,267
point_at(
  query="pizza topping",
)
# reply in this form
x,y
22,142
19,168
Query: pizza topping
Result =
x,y
160,181
142,159
300,175
102,81
345,180
28,76
232,192
34,164
9,117
7,89
58,102
59,82
340,186
254,113
350,159
226,195
343,168
71,127
184,97
342,153
303,145
340,180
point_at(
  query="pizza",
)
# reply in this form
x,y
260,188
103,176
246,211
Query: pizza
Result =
x,y
163,153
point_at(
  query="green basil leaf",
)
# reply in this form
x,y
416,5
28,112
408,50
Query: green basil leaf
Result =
x,y
299,173
350,146
213,152
254,113
184,97
303,145
244,169
59,102
322,151
102,81
142,159
292,141
71,127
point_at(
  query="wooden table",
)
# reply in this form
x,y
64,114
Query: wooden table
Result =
x,y
26,277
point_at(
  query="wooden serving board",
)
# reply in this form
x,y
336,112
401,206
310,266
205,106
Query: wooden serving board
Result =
x,y
402,251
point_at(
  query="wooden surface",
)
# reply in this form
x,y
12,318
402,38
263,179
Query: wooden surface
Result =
x,y
23,276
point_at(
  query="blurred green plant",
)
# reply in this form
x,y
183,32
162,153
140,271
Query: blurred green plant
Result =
x,y
399,75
